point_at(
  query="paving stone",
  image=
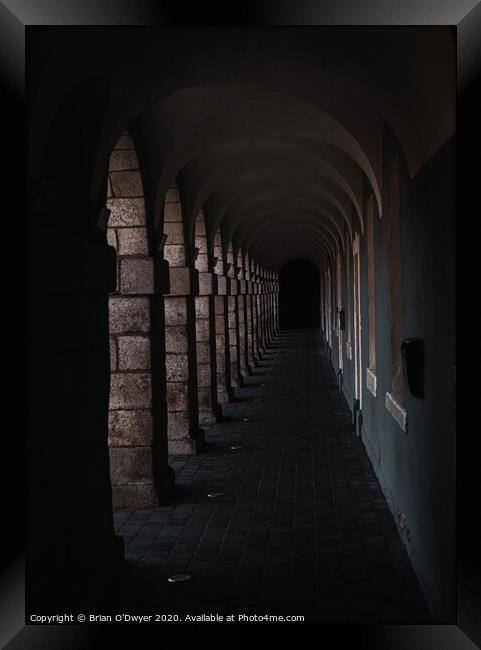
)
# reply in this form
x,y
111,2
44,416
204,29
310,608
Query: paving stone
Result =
x,y
302,527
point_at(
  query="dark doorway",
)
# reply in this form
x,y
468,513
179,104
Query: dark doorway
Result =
x,y
299,296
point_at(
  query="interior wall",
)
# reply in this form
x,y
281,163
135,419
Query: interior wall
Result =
x,y
416,467
348,349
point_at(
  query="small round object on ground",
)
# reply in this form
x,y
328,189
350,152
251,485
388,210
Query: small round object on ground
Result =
x,y
180,577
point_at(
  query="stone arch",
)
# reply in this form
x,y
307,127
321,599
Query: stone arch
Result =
x,y
259,308
249,305
209,409
183,431
218,126
289,246
232,315
323,238
242,318
224,391
323,182
258,158
131,422
287,215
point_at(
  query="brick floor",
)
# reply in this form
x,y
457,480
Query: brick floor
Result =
x,y
301,527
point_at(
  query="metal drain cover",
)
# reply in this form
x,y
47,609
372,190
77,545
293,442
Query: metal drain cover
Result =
x,y
180,577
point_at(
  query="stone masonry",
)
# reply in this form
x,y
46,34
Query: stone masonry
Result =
x,y
130,409
183,432
209,409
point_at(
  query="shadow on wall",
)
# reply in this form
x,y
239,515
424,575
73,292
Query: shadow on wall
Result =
x,y
299,296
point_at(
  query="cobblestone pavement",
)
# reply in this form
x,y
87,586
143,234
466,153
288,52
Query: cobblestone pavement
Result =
x,y
301,526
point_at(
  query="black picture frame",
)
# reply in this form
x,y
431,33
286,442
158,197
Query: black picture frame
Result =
x,y
15,19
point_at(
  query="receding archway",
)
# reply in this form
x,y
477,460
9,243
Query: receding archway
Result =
x,y
299,295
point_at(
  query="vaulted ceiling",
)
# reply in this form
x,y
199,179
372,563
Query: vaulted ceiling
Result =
x,y
272,132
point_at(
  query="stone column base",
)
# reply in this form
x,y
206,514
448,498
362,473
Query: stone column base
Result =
x,y
144,495
207,418
134,495
188,446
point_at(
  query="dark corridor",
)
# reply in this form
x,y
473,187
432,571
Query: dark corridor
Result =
x,y
225,253
299,524
299,296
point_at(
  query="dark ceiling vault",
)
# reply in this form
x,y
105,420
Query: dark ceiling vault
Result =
x,y
275,134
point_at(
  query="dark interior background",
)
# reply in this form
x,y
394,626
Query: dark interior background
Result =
x,y
299,296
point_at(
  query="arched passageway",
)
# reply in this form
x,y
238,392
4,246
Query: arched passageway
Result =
x,y
312,191
299,296
283,532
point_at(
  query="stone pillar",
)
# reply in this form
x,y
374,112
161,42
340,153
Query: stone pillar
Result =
x,y
139,468
221,325
232,318
184,434
222,354
250,358
242,318
265,305
207,415
209,409
260,314
255,314
216,401
275,285
130,403
233,334
270,333
272,329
